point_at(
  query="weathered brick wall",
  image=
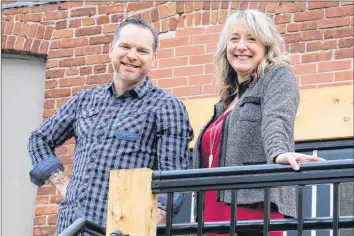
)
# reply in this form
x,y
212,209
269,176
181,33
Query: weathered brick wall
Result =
x,y
75,37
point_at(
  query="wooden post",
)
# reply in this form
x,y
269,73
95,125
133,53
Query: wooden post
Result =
x,y
132,208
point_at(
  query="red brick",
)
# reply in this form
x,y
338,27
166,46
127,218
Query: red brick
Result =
x,y
190,31
102,20
87,11
174,42
10,11
19,43
52,63
295,59
32,30
173,62
304,69
291,7
66,33
222,16
271,6
43,49
36,17
135,6
88,31
51,83
174,82
339,11
45,7
45,190
297,47
72,62
40,32
165,53
190,50
35,46
313,57
338,33
54,15
329,44
109,9
99,79
49,104
311,35
71,71
57,93
210,89
205,18
345,43
314,46
155,15
46,230
71,82
52,220
23,17
334,22
75,23
201,59
215,5
344,53
343,75
68,5
186,91
317,78
173,23
201,79
73,43
17,28
90,50
280,19
224,5
188,6
55,73
4,41
25,29
88,21
85,70
48,32
167,10
165,25
146,16
209,68
40,220
55,44
101,40
157,27
292,38
197,6
214,17
180,7
100,69
42,199
160,73
10,42
325,4
117,18
334,65
59,102
109,28
187,71
96,59
197,17
9,28
158,3
207,38
281,28
48,113
309,15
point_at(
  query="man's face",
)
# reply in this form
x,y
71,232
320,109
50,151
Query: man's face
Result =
x,y
132,56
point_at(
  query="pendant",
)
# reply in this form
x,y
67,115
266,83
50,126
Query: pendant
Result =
x,y
211,158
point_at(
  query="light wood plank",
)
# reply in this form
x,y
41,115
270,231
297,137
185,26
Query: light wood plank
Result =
x,y
132,208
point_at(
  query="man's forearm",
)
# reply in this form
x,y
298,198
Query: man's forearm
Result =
x,y
60,181
161,216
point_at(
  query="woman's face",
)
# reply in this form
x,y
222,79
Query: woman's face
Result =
x,y
244,51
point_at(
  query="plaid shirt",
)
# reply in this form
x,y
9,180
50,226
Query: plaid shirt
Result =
x,y
142,128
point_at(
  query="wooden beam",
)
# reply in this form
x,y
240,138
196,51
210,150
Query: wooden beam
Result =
x,y
132,208
324,113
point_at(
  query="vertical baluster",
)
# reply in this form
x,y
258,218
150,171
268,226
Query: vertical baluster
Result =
x,y
169,214
300,211
200,213
233,213
266,211
335,208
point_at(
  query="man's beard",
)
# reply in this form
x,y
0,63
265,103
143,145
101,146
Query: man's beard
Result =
x,y
135,78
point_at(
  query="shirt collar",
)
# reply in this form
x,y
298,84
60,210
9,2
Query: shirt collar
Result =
x,y
138,91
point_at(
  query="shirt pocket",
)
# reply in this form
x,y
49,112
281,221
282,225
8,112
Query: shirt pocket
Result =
x,y
250,109
88,124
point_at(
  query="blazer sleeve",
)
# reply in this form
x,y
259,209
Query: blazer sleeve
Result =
x,y
280,103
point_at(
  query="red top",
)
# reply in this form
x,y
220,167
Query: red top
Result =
x,y
220,211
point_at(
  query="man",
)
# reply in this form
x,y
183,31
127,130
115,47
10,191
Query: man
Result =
x,y
128,123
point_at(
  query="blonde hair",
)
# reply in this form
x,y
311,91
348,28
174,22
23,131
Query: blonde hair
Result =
x,y
263,28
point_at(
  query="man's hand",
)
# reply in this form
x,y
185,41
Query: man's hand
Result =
x,y
60,181
161,216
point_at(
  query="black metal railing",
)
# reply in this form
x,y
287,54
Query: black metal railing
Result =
x,y
244,177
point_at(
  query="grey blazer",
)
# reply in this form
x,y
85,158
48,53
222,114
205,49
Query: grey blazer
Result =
x,y
260,127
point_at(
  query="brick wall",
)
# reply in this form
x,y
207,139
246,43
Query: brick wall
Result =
x,y
75,37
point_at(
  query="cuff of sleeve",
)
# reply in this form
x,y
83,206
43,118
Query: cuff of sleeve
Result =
x,y
42,171
178,199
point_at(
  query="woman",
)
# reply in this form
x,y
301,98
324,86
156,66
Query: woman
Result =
x,y
254,121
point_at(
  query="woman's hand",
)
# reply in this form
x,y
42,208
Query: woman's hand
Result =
x,y
294,159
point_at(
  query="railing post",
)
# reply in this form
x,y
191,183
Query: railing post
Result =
x,y
131,205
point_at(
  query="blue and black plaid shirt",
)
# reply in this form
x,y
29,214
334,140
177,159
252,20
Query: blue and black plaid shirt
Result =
x,y
142,128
